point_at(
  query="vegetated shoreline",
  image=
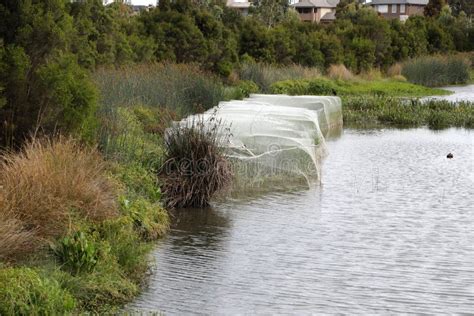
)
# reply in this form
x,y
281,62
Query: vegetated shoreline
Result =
x,y
130,138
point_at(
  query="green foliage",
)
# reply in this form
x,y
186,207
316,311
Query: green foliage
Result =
x,y
23,291
150,220
77,253
434,7
321,86
437,71
264,75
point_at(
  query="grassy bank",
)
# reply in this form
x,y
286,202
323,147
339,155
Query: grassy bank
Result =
x,y
382,87
75,229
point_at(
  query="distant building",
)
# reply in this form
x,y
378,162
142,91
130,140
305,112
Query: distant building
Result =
x,y
316,11
240,5
399,9
137,9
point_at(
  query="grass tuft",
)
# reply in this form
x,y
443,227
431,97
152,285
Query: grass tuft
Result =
x,y
50,184
195,167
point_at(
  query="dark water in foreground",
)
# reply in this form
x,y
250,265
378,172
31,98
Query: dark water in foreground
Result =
x,y
390,230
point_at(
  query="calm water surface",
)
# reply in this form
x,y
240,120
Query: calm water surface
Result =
x,y
461,93
390,230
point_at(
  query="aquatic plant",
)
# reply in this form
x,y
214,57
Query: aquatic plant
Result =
x,y
435,71
195,167
435,114
76,253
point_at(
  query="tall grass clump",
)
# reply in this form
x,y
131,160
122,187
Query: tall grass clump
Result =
x,y
339,72
183,88
196,167
134,134
435,71
49,186
264,75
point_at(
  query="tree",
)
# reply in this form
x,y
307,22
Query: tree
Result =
x,y
270,12
45,90
434,7
458,6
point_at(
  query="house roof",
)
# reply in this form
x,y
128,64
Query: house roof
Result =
x,y
239,4
418,2
330,16
316,4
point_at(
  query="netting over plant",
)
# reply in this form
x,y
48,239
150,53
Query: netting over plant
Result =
x,y
275,136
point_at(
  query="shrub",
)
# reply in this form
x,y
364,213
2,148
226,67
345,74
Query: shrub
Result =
x,y
437,71
195,167
23,291
77,253
322,87
339,72
306,87
50,183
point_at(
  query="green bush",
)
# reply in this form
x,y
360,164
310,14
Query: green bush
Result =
x,y
23,291
318,86
437,71
77,253
150,220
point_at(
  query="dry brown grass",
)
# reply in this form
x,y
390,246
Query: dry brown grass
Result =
x,y
395,70
371,75
15,240
339,72
48,186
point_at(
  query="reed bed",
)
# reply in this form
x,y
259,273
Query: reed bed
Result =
x,y
380,110
437,71
183,88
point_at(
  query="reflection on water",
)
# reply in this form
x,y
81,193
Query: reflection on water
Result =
x,y
461,93
389,230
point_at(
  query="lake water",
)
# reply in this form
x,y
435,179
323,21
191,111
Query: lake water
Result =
x,y
389,230
461,93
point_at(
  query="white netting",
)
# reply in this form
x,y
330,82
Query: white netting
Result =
x,y
276,135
